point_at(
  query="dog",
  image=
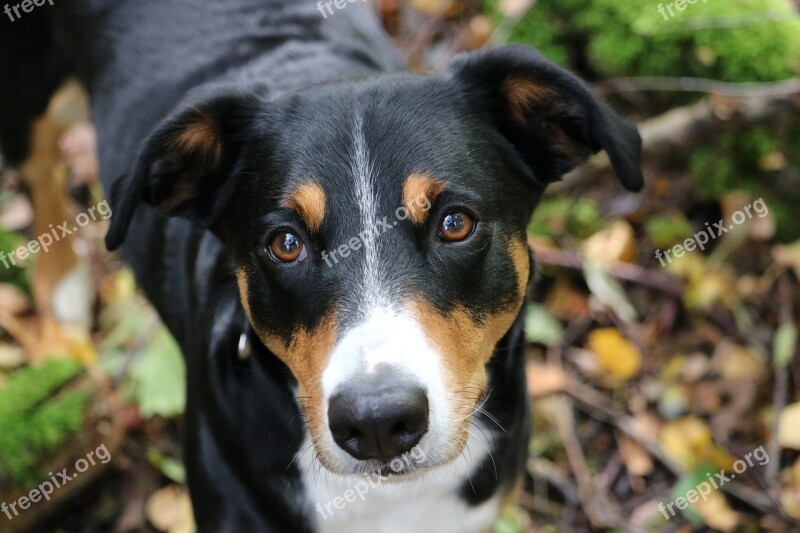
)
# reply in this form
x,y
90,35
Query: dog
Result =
x,y
337,244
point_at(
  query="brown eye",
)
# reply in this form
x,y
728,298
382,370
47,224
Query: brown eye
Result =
x,y
456,226
287,247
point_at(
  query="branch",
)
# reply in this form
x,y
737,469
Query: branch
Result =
x,y
670,137
699,85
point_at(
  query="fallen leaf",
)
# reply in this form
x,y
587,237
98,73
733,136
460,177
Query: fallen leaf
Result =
x,y
637,460
438,8
734,362
788,256
169,509
615,354
790,490
541,327
614,244
716,512
11,356
17,214
565,301
784,344
544,380
12,300
789,427
514,8
688,442
608,291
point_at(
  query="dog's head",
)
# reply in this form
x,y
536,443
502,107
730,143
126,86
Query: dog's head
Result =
x,y
378,228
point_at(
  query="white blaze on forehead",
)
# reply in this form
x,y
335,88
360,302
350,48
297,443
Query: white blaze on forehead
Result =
x,y
367,200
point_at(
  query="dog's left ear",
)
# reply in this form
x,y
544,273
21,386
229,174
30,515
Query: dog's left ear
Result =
x,y
186,167
549,116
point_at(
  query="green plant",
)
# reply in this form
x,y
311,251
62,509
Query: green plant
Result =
x,y
36,417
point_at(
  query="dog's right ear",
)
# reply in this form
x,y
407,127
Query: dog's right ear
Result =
x,y
187,166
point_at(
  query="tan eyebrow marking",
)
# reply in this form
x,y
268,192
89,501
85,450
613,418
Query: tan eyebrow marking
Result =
x,y
308,200
417,186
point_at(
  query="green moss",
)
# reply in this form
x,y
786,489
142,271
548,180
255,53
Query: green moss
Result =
x,y
735,163
36,419
718,39
11,274
556,216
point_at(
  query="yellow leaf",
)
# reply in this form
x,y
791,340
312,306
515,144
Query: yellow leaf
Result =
x,y
716,512
790,490
688,442
612,245
789,427
615,354
169,509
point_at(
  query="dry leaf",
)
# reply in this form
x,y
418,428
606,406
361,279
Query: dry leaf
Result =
x,y
733,362
565,301
789,427
544,380
688,442
615,354
169,509
637,460
514,8
612,245
716,512
788,256
438,8
790,491
12,300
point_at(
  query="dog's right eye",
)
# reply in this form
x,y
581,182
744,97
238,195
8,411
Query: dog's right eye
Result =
x,y
287,247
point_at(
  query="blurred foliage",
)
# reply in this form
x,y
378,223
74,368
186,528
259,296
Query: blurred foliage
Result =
x,y
752,161
36,417
737,41
15,275
558,215
629,38
140,349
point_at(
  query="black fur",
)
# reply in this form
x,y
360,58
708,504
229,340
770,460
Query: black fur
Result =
x,y
265,75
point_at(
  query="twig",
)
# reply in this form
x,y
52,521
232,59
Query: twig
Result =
x,y
738,20
699,85
601,510
624,271
780,392
596,406
543,468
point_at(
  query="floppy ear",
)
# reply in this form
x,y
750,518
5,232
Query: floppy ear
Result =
x,y
548,115
186,167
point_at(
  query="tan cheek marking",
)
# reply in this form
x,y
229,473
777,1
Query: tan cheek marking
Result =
x,y
461,345
467,346
308,200
273,342
419,189
306,356
518,249
523,94
309,353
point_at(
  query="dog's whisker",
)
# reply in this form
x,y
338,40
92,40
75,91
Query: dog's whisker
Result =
x,y
488,452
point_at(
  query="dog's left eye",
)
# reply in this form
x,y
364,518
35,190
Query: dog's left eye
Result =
x,y
287,247
456,226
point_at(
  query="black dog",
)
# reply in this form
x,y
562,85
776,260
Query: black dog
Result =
x,y
339,249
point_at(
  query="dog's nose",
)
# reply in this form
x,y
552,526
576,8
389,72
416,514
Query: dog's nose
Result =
x,y
380,421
